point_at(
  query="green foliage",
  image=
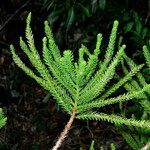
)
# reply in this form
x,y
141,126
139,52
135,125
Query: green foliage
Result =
x,y
3,119
71,11
74,15
136,30
69,16
147,55
146,70
112,147
79,86
137,137
135,25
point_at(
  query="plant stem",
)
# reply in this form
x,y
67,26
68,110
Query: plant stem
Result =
x,y
65,132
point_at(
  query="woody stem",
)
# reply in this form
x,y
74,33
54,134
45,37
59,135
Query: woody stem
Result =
x,y
64,132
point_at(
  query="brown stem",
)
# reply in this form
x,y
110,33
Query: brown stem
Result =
x,y
65,132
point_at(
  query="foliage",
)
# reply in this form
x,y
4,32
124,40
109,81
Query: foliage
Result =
x,y
146,52
112,147
146,70
136,31
79,86
71,11
3,119
75,15
134,136
69,20
134,25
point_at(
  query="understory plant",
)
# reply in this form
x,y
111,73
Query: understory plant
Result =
x,y
137,138
71,11
135,29
112,147
79,86
3,119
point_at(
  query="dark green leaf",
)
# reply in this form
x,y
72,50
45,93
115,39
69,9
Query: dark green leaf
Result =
x,y
126,16
138,24
102,4
50,5
70,18
135,16
128,27
138,27
94,4
54,16
144,32
85,10
146,70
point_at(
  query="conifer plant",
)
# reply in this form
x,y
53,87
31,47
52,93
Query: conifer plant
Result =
x,y
134,136
3,119
78,86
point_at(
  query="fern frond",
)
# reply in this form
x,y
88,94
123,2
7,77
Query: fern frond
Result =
x,y
28,71
79,85
131,141
92,61
134,136
99,81
29,34
132,64
51,43
115,119
58,69
110,48
103,102
50,85
146,55
126,78
136,85
3,119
